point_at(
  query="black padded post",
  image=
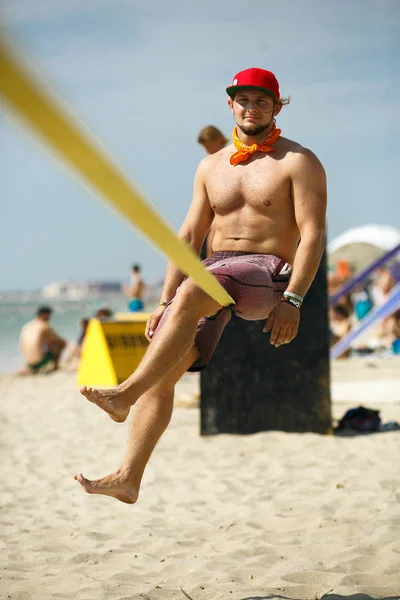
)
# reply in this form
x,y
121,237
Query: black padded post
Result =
x,y
251,386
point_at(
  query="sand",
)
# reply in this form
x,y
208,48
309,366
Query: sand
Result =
x,y
271,515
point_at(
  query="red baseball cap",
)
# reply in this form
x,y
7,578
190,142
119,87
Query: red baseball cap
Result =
x,y
258,79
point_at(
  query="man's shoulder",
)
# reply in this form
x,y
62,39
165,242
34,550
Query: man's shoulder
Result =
x,y
292,147
24,329
28,325
297,155
30,328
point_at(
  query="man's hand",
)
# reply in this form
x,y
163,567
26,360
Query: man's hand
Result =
x,y
153,321
284,322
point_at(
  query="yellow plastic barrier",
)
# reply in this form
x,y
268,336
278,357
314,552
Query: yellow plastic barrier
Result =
x,y
38,108
112,350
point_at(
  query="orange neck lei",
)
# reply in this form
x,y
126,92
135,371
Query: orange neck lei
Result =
x,y
243,151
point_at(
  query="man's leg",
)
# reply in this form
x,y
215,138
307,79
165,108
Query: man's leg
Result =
x,y
169,347
150,418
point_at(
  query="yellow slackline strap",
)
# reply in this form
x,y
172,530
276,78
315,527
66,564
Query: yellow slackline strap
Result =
x,y
39,109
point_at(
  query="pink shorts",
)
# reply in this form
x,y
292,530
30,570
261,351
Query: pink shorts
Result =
x,y
255,282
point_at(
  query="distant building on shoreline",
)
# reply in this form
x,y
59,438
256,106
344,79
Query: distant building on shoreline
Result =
x,y
75,290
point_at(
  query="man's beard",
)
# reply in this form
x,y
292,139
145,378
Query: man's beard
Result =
x,y
253,129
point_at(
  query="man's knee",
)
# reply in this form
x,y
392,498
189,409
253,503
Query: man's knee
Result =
x,y
55,354
193,299
58,345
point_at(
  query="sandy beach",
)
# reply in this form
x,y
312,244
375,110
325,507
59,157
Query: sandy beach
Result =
x,y
271,515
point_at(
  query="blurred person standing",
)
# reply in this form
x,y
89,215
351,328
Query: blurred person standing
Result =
x,y
135,289
212,139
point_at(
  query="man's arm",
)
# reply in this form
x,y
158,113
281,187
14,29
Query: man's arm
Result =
x,y
193,230
309,201
50,337
126,288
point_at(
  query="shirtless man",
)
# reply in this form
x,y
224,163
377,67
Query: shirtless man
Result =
x,y
40,345
267,196
135,290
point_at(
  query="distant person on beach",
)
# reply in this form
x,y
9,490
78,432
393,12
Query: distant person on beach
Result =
x,y
40,345
361,300
74,351
391,332
213,140
267,197
340,325
135,290
383,285
82,334
104,313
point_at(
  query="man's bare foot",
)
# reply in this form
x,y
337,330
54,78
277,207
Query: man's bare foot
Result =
x,y
114,402
115,485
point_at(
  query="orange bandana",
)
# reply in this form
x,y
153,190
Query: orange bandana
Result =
x,y
243,151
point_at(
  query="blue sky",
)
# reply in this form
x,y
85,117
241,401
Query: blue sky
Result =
x,y
146,77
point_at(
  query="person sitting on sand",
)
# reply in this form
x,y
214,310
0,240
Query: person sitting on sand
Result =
x,y
383,285
267,197
75,350
391,332
340,325
40,345
103,314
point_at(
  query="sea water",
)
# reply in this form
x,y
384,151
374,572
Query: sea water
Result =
x,y
18,308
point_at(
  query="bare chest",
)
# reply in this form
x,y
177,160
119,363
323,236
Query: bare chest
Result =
x,y
261,184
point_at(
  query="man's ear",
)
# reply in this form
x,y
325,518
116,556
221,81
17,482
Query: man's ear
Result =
x,y
230,104
278,108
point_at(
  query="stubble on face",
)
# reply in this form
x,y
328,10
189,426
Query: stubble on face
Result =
x,y
257,128
253,130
